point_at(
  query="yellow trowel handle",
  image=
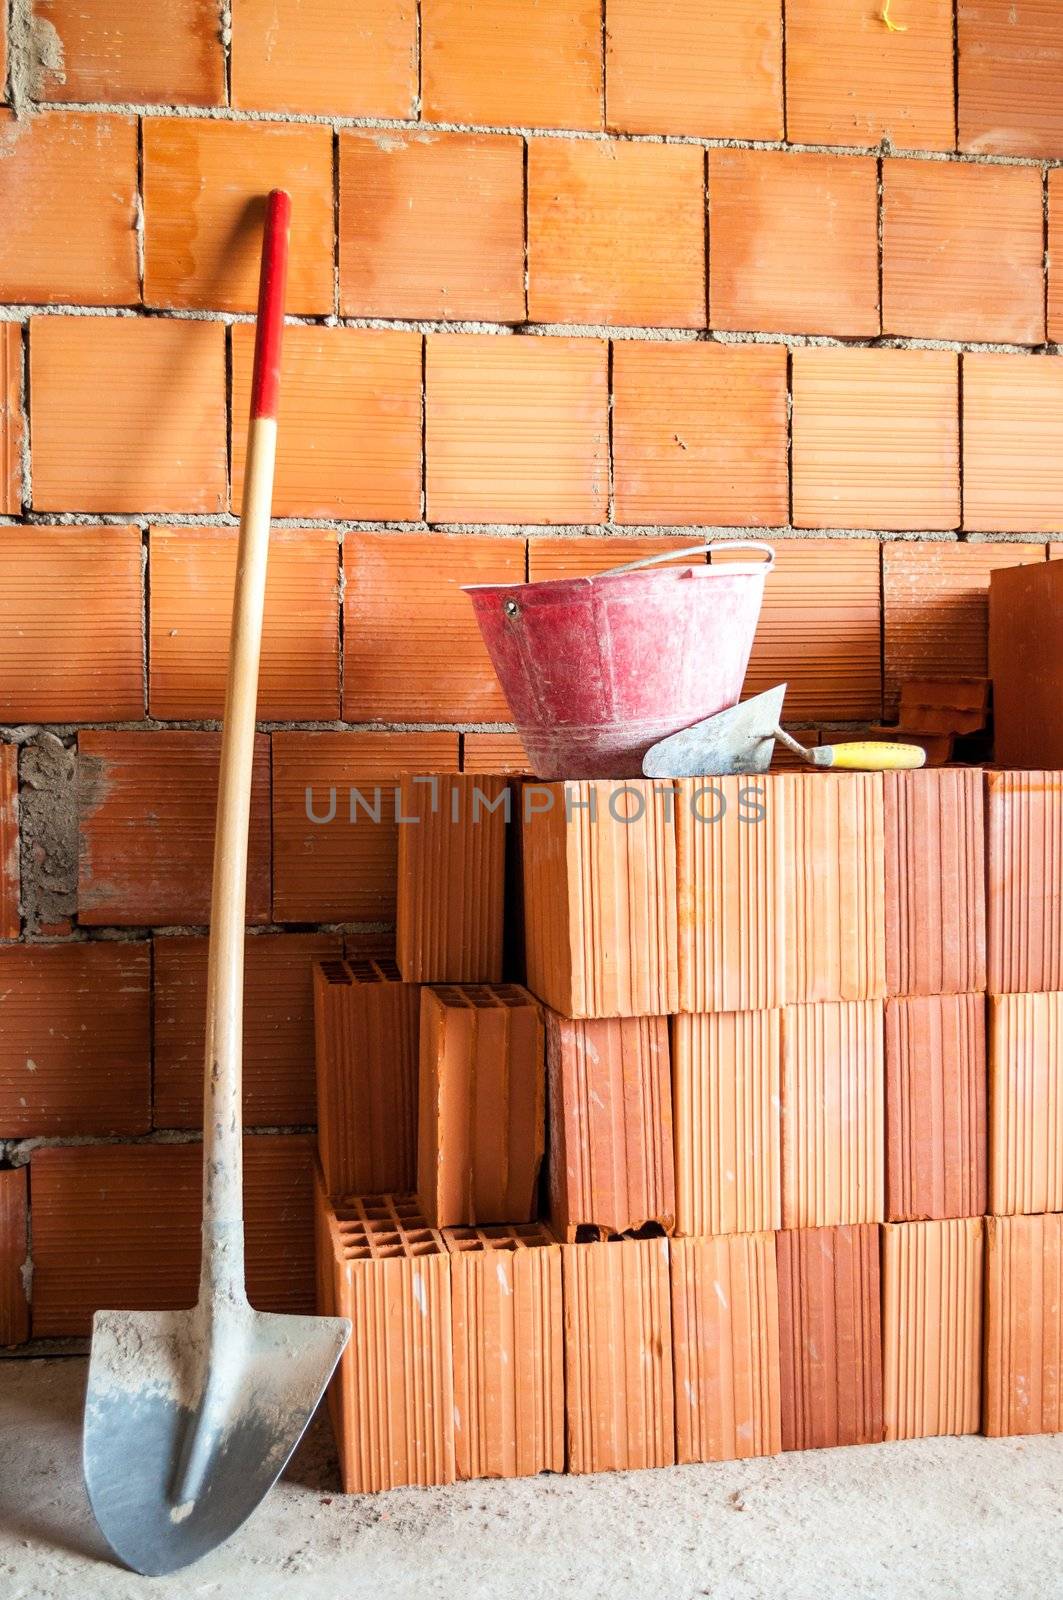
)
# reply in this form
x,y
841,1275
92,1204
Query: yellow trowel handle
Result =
x,y
869,755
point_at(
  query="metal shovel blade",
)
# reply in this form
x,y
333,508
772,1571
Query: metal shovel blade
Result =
x,y
170,1410
741,739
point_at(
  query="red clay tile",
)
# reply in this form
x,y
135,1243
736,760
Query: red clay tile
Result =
x,y
726,1098
794,242
616,233
711,71
1024,894
1055,257
482,1102
412,649
1007,77
610,1164
619,1399
278,1043
1026,664
829,1337
1012,444
516,430
935,1107
725,1330
853,80
944,705
11,424
55,167
431,225
191,595
392,1398
156,52
118,1226
452,865
9,843
875,438
935,882
510,64
71,625
931,1328
699,433
943,222
75,1039
559,556
1025,1103
601,857
509,1390
349,431
367,1026
147,804
14,1252
1024,1325
325,59
335,840
494,753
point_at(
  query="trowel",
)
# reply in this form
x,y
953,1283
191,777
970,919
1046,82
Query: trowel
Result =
x,y
742,739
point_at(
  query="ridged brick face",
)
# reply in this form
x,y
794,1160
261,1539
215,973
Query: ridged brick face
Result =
x,y
1008,92
507,64
1024,1325
1024,904
11,419
1026,1103
932,1327
14,1249
936,1087
452,865
158,51
287,56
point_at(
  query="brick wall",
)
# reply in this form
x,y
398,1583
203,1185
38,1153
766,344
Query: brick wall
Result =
x,y
567,281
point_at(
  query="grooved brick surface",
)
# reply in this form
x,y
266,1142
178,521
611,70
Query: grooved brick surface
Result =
x,y
157,52
11,424
14,1252
325,57
1012,444
931,1327
1055,255
936,1151
1025,1103
560,557
1008,77
494,753
1026,663
452,865
9,843
1024,1325
1024,896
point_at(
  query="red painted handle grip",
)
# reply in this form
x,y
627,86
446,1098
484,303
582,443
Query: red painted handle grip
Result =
x,y
265,384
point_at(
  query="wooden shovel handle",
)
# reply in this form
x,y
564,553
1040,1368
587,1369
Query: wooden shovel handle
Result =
x,y
222,1272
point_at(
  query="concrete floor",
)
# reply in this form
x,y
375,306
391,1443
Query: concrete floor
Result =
x,y
937,1517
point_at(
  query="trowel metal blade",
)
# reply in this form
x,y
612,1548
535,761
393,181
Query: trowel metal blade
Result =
x,y
741,739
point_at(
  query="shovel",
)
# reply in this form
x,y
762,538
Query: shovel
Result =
x,y
742,739
190,1416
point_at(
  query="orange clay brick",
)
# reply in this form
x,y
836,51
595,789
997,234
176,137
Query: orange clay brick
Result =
x,y
725,1330
835,936
349,432
481,1120
278,1054
602,857
1012,444
1024,893
829,1337
726,1089
935,1107
431,225
55,167
833,1114
86,1068
366,1028
936,603
794,242
931,1327
733,890
324,58
204,202
158,444
509,1377
11,424
699,433
159,52
610,1167
516,429
616,233
147,811
875,438
335,841
558,556
1025,1103
510,64
412,650
494,753
1055,257
14,1253
820,629
9,843
392,1397
71,608
1026,663
943,223
191,599
118,1227
935,882
619,1399
713,71
852,80
1008,77
1023,1326
452,866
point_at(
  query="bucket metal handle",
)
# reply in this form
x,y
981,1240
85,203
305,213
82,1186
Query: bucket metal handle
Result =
x,y
695,550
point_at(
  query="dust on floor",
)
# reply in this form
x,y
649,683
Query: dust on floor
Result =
x,y
936,1517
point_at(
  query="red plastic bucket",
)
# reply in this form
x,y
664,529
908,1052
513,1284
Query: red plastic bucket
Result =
x,y
597,669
